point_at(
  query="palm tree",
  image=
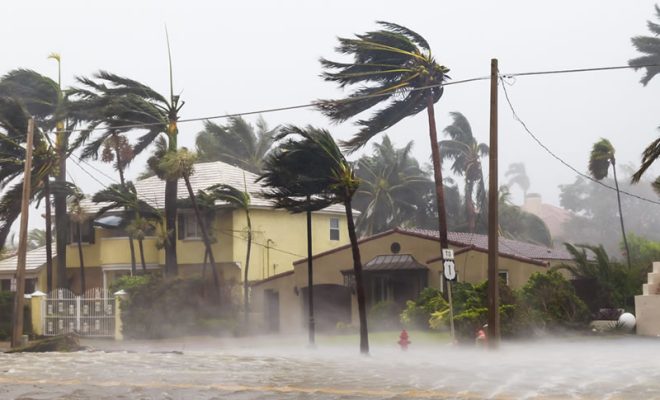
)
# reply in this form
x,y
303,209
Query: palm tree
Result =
x,y
392,188
466,153
43,98
236,143
124,196
392,66
36,238
518,176
79,216
315,161
123,105
520,225
239,199
649,156
602,156
650,47
180,164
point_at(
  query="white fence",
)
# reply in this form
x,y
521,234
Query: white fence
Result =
x,y
92,314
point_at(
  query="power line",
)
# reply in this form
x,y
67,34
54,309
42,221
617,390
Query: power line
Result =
x,y
555,156
574,70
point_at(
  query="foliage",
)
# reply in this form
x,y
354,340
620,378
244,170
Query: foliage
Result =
x,y
6,312
418,312
157,308
643,251
517,224
518,176
236,143
649,156
393,189
649,46
552,301
384,315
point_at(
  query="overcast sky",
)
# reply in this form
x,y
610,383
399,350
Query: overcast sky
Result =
x,y
240,56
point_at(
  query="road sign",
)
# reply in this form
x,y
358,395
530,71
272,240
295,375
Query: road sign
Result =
x,y
447,254
449,270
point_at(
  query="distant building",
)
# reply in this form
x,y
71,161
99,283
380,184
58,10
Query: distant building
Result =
x,y
553,216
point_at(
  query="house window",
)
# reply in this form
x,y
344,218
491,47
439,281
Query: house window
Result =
x,y
191,229
504,276
87,232
334,228
5,285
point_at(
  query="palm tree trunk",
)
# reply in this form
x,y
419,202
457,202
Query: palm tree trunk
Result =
x,y
246,296
49,237
122,181
142,260
623,230
171,266
82,263
470,209
310,280
202,225
437,175
359,283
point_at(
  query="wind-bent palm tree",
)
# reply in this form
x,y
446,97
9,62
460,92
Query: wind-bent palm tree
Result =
x,y
602,156
517,224
649,156
313,160
123,105
239,199
236,143
124,196
466,153
180,165
650,47
392,188
393,66
518,176
44,99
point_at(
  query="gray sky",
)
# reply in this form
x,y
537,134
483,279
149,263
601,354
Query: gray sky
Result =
x,y
240,56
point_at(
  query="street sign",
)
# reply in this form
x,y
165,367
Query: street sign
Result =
x,y
449,270
447,254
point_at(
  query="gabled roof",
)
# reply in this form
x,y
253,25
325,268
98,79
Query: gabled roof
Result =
x,y
33,261
152,189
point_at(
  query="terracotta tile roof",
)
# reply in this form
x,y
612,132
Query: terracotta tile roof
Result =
x,y
152,189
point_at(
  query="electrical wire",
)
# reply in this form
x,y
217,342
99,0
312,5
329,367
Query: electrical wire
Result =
x,y
556,157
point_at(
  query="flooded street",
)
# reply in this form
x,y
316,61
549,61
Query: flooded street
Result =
x,y
586,368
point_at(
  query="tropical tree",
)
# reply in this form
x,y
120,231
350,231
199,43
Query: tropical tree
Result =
x,y
465,153
649,156
517,224
42,98
180,165
36,238
392,188
236,143
310,158
124,196
78,215
123,105
392,66
602,156
518,176
240,200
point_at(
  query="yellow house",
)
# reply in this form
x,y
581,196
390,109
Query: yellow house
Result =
x,y
279,238
35,271
397,265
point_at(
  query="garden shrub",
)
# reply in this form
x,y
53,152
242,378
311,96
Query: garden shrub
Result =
x,y
418,312
6,313
384,315
158,307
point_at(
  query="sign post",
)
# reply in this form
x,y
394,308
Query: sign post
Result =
x,y
449,271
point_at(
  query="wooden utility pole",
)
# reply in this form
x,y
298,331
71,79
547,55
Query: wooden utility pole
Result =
x,y
17,318
493,223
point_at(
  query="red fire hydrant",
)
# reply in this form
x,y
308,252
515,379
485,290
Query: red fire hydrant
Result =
x,y
403,340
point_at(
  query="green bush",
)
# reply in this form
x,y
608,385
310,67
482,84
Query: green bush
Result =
x,y
552,302
418,312
384,315
158,307
6,313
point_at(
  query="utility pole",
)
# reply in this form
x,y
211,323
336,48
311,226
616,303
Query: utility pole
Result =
x,y
17,318
493,223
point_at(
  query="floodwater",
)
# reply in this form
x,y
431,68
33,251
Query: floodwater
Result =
x,y
625,367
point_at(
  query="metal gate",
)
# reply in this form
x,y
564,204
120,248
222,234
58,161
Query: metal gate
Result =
x,y
92,314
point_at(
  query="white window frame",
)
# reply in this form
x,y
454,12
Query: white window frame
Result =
x,y
504,272
333,229
186,227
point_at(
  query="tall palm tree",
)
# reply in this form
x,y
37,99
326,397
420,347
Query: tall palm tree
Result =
x,y
392,66
43,98
649,156
312,157
124,105
602,156
36,238
466,153
650,47
236,143
392,188
239,199
518,176
180,165
79,216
